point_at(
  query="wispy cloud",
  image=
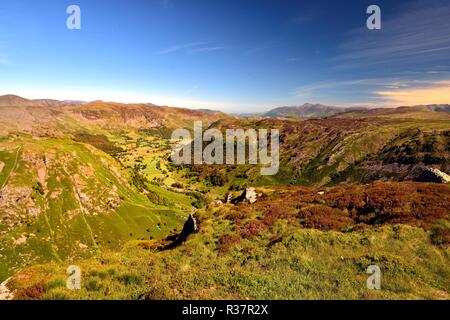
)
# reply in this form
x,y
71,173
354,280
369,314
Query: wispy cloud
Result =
x,y
379,92
207,49
435,92
407,62
316,89
180,47
192,47
420,34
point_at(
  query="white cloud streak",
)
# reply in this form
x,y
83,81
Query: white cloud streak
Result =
x,y
207,49
181,47
420,34
192,47
380,92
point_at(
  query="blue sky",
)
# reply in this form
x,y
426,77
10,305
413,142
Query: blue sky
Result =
x,y
232,55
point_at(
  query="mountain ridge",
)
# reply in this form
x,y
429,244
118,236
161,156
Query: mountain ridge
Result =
x,y
309,110
306,110
11,100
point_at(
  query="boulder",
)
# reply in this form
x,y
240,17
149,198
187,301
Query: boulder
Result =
x,y
249,194
5,293
190,226
433,175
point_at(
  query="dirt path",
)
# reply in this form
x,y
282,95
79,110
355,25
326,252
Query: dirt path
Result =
x,y
13,168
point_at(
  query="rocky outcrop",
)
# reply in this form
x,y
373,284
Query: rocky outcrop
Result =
x,y
190,227
249,195
5,293
433,175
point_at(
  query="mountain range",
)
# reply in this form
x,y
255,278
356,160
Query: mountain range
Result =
x,y
306,111
92,184
309,111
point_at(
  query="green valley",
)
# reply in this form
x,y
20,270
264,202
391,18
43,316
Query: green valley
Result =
x,y
94,186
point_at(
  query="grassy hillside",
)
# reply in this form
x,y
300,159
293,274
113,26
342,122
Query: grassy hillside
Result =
x,y
73,182
61,198
335,150
265,251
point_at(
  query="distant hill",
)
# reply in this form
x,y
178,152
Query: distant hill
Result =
x,y
248,115
140,116
57,103
308,111
436,111
388,144
12,100
438,107
207,110
46,116
16,101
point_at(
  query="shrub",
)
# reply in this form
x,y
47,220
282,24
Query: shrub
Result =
x,y
177,185
130,279
99,141
251,229
138,180
156,198
93,285
58,283
216,179
440,235
200,200
39,188
34,292
324,218
274,213
227,241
